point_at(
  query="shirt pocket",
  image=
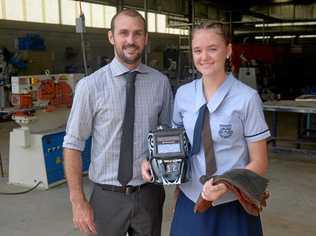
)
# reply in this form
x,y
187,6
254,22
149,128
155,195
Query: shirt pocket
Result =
x,y
110,110
227,129
147,110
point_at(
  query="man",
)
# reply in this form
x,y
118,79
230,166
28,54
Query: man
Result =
x,y
104,107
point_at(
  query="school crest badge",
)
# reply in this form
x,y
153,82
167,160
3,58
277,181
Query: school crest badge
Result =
x,y
225,131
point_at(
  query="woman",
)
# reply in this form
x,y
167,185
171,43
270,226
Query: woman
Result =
x,y
238,131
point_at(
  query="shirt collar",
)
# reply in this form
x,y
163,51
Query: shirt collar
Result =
x,y
217,98
117,68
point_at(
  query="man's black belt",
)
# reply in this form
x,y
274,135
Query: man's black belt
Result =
x,y
122,189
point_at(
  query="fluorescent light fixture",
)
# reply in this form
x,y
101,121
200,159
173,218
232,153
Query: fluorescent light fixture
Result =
x,y
308,36
284,36
281,1
286,24
262,37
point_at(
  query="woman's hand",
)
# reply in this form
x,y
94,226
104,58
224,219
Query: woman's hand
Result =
x,y
213,192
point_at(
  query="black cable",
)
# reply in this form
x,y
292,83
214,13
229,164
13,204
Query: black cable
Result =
x,y
23,192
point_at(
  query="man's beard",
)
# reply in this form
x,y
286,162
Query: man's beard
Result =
x,y
125,59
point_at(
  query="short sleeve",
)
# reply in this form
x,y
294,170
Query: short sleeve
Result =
x,y
255,126
177,118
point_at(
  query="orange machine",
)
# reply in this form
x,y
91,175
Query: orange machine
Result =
x,y
48,92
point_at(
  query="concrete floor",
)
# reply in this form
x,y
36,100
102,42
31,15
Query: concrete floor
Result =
x,y
290,212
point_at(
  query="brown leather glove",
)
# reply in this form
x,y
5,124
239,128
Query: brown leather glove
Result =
x,y
249,187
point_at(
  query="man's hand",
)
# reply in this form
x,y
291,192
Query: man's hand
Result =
x,y
213,192
81,209
146,173
83,217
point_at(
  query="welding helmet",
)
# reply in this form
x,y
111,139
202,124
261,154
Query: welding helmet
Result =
x,y
168,155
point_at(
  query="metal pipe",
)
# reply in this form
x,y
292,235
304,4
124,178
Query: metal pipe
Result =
x,y
146,20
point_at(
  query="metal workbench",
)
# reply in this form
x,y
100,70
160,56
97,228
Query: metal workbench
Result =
x,y
305,109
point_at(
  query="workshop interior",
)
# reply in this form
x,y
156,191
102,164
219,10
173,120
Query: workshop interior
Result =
x,y
47,46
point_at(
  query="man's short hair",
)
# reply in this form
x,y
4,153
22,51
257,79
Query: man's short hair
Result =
x,y
131,13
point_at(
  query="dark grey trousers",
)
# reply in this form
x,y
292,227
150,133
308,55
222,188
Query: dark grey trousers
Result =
x,y
138,213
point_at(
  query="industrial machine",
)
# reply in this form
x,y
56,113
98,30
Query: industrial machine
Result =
x,y
41,104
248,76
4,79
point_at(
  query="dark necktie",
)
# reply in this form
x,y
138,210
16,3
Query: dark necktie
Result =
x,y
202,133
125,170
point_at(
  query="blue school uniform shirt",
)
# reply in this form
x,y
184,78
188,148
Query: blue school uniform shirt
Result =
x,y
236,119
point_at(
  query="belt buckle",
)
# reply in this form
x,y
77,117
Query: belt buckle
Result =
x,y
129,190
